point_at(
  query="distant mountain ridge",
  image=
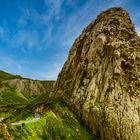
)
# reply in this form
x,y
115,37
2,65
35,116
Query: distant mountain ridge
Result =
x,y
16,88
7,76
30,87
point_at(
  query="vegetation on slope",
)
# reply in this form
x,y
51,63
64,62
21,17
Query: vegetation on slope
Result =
x,y
57,123
7,76
27,87
9,96
14,89
57,120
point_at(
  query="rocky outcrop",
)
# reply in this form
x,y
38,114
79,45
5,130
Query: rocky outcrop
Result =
x,y
101,78
4,131
30,87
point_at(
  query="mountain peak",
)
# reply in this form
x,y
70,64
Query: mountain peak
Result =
x,y
100,79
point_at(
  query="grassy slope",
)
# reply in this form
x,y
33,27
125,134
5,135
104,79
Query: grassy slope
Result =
x,y
58,123
9,96
7,76
6,94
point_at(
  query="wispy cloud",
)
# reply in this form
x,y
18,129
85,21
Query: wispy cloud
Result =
x,y
54,8
29,14
48,28
39,35
26,38
76,22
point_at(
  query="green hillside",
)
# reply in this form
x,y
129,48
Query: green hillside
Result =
x,y
16,90
10,96
58,122
7,76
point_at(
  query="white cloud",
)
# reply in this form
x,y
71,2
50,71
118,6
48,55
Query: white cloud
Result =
x,y
83,16
62,34
26,38
76,22
35,18
47,38
40,33
54,7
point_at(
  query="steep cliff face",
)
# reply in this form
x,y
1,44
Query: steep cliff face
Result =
x,y
101,78
26,87
30,87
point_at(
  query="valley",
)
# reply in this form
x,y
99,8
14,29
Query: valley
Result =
x,y
96,95
37,117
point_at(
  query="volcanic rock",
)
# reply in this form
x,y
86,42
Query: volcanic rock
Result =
x,y
101,78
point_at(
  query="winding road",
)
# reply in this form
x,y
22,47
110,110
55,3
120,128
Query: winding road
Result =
x,y
37,117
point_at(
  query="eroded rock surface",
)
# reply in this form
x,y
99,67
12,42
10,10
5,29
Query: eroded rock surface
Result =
x,y
101,78
30,87
4,131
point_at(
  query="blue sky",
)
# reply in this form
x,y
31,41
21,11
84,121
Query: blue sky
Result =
x,y
36,35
